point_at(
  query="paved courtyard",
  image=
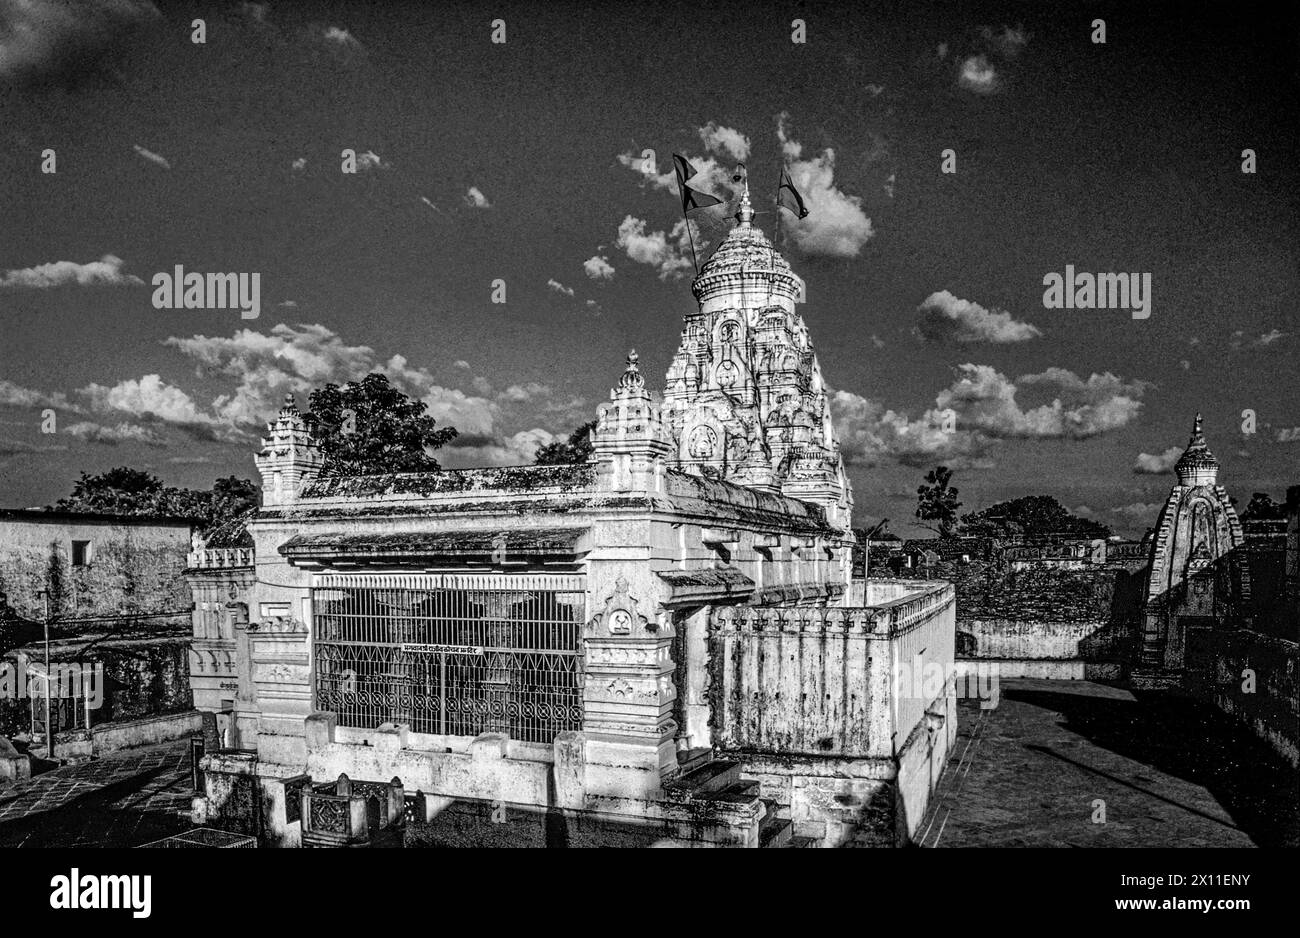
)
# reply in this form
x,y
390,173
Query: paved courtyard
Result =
x,y
124,800
1168,772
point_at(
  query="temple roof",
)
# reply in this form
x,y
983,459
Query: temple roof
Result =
x,y
1197,460
744,248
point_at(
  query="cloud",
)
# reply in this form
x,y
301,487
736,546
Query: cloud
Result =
x,y
151,396
1288,435
869,432
518,449
371,160
299,164
14,395
945,318
667,252
836,225
476,199
598,268
113,435
340,44
711,176
1008,43
66,39
978,75
559,287
1269,338
254,11
1158,464
105,272
986,400
526,391
152,157
724,140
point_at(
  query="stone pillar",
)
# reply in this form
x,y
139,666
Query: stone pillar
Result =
x,y
628,699
282,681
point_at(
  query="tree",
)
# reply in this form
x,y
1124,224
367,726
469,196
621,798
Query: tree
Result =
x,y
126,491
576,449
1033,516
1261,507
936,502
369,427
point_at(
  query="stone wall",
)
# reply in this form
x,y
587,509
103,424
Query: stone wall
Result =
x,y
1025,613
133,568
143,677
1253,676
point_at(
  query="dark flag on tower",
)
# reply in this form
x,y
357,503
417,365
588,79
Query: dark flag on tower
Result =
x,y
691,199
788,197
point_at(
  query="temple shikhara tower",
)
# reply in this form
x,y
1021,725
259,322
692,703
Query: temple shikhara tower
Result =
x,y
662,645
1199,575
745,400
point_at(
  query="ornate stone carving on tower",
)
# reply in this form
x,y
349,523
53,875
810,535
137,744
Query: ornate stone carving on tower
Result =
x,y
745,400
288,458
1198,575
629,441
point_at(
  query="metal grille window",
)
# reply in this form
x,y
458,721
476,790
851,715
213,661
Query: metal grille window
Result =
x,y
451,654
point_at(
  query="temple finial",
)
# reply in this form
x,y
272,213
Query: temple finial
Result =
x,y
746,213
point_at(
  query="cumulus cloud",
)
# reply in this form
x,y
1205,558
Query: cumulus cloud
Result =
x,y
836,225
371,160
518,449
113,435
559,287
1157,464
977,411
945,318
724,140
65,39
987,401
1287,435
299,164
1268,338
156,158
476,199
598,268
151,396
668,252
869,432
105,272
977,74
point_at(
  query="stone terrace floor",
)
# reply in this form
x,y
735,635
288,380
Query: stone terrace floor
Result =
x,y
1172,773
123,800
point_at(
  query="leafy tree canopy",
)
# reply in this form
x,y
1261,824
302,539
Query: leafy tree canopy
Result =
x,y
936,502
127,491
1261,507
1032,516
576,449
369,427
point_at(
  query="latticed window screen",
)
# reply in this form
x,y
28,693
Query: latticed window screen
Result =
x,y
451,654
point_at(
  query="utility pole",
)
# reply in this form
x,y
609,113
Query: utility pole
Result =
x,y
49,731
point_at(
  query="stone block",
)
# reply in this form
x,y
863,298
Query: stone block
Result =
x,y
320,725
14,766
489,746
391,737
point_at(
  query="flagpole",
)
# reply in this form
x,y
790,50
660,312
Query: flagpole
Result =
x,y
780,174
686,218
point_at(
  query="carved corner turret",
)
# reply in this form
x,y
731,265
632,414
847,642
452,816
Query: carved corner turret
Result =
x,y
289,458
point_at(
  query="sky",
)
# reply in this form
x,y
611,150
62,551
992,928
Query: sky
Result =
x,y
522,163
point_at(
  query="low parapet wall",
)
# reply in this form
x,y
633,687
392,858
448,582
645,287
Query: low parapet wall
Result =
x,y
1253,676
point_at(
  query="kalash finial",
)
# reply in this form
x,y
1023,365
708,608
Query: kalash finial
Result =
x,y
746,213
290,404
632,379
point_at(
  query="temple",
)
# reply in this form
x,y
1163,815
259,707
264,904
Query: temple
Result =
x,y
1198,572
662,646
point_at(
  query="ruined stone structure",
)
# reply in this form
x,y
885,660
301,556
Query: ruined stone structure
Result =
x,y
663,645
1198,575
